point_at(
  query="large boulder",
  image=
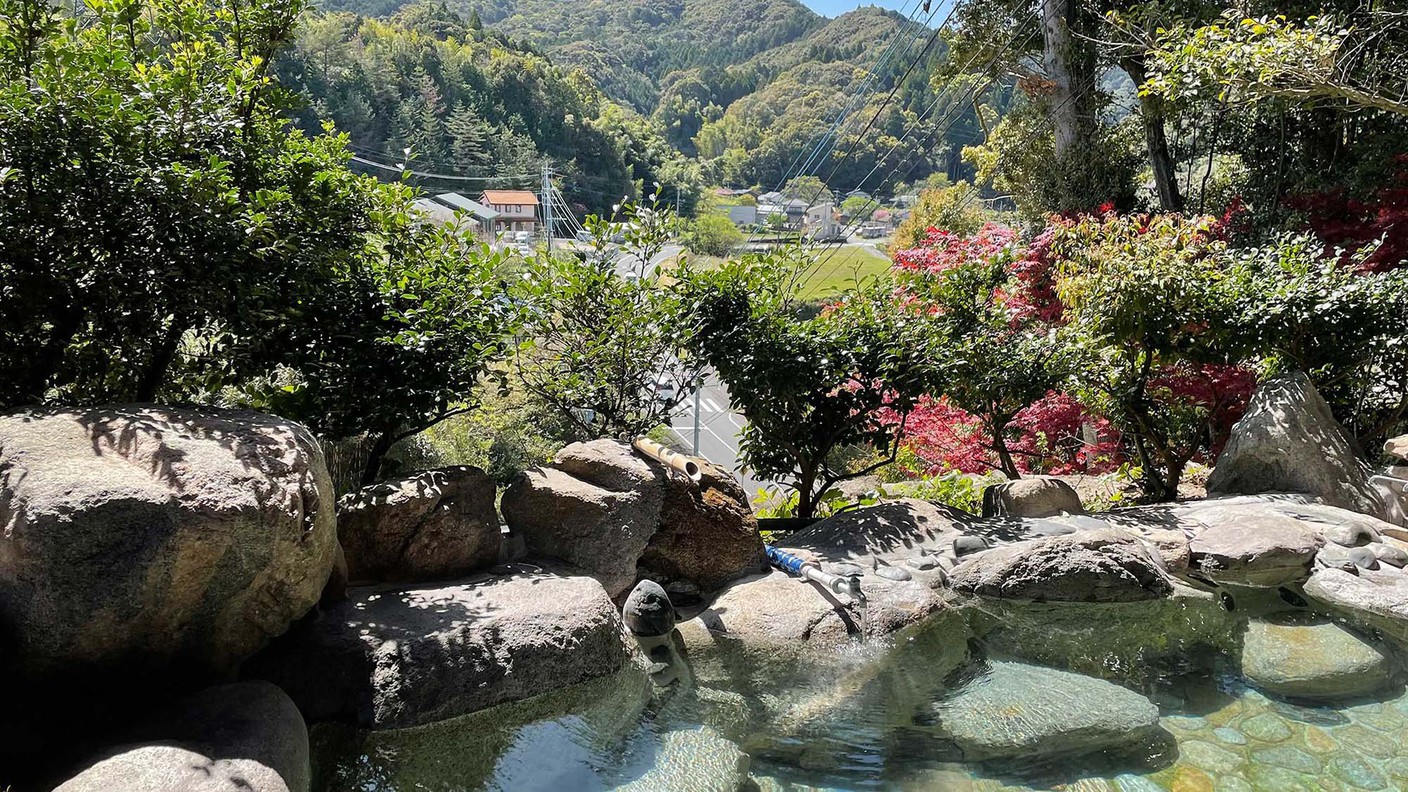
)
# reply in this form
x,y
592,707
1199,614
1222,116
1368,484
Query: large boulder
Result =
x,y
618,516
780,609
1037,496
891,532
1313,659
1252,545
707,535
398,657
1014,710
1103,565
891,549
1373,598
1289,442
146,538
430,525
246,737
1137,642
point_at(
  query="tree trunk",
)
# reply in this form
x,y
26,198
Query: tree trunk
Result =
x,y
1151,112
806,495
1173,476
162,354
1006,464
1070,66
371,474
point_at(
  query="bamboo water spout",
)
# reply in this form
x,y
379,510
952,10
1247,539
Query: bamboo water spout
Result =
x,y
671,459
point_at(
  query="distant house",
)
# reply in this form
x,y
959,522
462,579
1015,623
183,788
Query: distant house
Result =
x,y
517,209
434,212
820,222
483,217
859,194
743,215
796,210
771,198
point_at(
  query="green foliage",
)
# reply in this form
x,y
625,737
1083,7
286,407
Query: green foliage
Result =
x,y
712,235
1143,297
1241,59
604,341
1345,328
950,208
167,235
146,168
994,364
808,386
396,342
959,490
859,208
631,46
1308,97
1019,159
507,433
468,102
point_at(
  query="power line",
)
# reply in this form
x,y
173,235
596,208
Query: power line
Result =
x,y
855,143
827,140
439,176
967,199
881,65
949,118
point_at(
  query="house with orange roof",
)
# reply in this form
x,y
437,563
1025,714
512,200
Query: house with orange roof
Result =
x,y
517,209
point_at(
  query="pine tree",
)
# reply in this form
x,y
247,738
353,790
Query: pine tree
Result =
x,y
470,138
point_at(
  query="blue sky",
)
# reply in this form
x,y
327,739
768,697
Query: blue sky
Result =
x,y
833,8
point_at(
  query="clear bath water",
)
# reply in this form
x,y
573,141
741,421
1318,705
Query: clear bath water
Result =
x,y
845,720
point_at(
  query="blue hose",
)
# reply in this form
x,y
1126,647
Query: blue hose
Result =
x,y
785,561
813,572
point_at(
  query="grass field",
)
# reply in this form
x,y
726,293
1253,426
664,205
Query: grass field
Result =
x,y
836,271
840,268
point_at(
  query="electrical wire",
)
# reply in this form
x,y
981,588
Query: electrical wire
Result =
x,y
950,117
827,140
438,176
967,199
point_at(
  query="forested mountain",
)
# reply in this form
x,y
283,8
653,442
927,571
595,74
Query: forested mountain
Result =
x,y
747,86
629,46
468,102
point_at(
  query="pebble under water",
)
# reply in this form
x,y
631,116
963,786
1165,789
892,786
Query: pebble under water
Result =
x,y
843,720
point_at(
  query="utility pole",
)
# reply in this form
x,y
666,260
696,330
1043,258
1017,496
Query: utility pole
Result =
x,y
547,201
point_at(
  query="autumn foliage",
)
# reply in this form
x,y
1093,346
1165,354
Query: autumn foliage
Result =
x,y
1185,398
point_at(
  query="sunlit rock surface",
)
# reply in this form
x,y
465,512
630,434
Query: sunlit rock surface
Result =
x,y
1011,710
398,657
1313,659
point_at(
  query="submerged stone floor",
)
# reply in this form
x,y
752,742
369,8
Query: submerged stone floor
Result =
x,y
1218,735
1245,742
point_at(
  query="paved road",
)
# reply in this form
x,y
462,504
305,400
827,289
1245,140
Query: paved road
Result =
x,y
719,427
629,265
